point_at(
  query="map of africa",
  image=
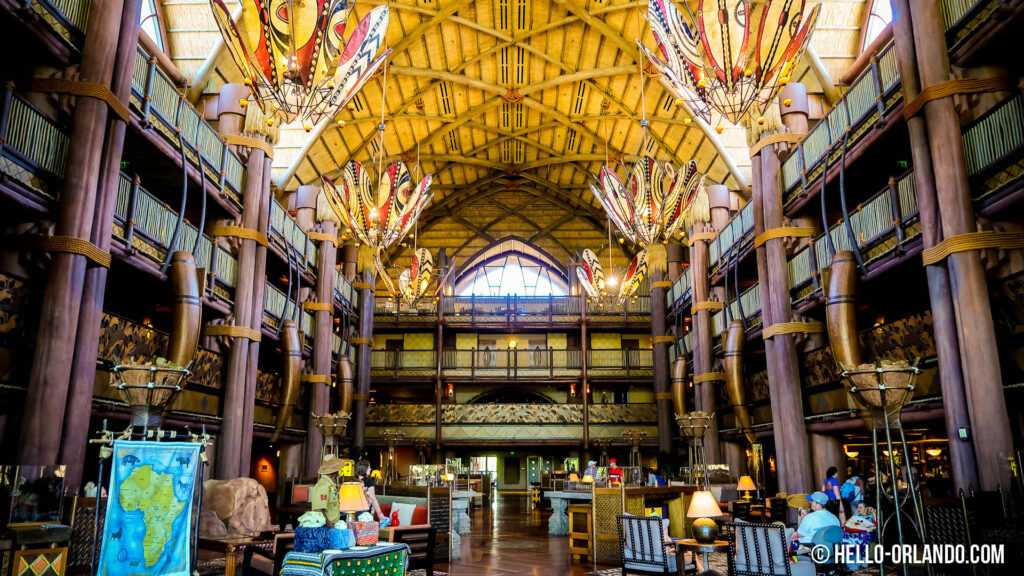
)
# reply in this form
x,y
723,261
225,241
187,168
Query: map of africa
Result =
x,y
149,513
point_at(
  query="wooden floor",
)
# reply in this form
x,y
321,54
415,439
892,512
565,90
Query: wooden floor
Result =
x,y
512,539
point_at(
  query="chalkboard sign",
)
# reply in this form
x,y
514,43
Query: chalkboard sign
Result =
x,y
440,498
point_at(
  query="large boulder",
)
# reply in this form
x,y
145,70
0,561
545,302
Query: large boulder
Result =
x,y
240,504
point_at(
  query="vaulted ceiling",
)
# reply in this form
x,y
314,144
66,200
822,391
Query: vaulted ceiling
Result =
x,y
512,105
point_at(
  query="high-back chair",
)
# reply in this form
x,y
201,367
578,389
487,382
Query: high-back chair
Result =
x,y
761,550
420,540
642,545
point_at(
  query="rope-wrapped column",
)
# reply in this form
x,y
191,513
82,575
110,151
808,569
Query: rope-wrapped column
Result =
x,y
705,377
361,400
47,394
78,409
952,214
235,442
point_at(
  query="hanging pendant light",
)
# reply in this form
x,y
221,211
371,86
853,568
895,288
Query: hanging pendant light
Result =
x,y
732,55
294,56
413,282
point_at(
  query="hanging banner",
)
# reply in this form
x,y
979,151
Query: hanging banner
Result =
x,y
148,527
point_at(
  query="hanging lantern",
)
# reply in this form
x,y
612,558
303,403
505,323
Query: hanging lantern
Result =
x,y
295,58
732,55
413,282
591,274
380,217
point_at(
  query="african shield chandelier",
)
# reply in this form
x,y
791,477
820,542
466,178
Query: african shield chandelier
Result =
x,y
377,218
732,55
295,58
591,274
413,281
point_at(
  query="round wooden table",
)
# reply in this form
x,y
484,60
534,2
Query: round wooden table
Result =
x,y
704,549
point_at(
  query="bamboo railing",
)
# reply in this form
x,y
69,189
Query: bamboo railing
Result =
x,y
882,225
737,231
68,18
680,290
284,232
160,103
344,292
274,308
33,148
865,103
992,139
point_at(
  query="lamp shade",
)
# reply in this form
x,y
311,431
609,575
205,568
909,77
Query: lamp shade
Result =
x,y
588,478
574,477
746,484
352,497
703,505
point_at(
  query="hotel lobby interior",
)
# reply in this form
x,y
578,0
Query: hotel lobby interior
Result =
x,y
511,287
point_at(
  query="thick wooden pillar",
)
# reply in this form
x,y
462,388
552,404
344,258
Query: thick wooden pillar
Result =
x,y
362,397
675,261
584,380
439,375
235,441
979,353
827,451
323,316
659,354
951,376
791,445
78,409
49,380
735,457
703,343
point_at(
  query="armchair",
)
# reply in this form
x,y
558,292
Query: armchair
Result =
x,y
761,550
642,545
268,562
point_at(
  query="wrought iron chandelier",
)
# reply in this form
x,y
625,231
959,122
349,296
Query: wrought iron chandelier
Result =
x,y
732,55
295,58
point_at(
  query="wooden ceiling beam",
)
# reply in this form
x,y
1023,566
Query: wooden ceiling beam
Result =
x,y
613,36
547,230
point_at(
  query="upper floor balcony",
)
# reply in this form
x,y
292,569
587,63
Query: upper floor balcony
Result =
x,y
512,312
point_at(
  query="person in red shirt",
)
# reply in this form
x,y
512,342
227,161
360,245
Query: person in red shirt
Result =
x,y
614,472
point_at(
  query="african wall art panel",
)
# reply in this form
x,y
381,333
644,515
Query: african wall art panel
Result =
x,y
494,414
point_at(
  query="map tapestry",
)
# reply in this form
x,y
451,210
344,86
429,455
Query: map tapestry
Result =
x,y
149,512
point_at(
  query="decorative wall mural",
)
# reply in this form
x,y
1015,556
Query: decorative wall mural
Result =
x,y
484,414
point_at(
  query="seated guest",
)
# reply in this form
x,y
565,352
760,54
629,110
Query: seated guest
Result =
x,y
591,469
363,470
814,520
859,533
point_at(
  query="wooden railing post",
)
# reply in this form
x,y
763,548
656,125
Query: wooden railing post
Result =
x,y
897,216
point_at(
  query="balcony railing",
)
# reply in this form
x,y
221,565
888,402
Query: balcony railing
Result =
x,y
505,363
680,290
735,233
162,105
882,225
33,148
287,234
344,292
627,361
403,362
274,308
992,140
869,99
962,18
748,307
397,311
68,18
144,223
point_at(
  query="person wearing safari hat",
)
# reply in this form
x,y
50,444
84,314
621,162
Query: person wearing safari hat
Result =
x,y
324,495
817,519
591,469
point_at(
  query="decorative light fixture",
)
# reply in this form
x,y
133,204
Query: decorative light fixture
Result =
x,y
733,55
294,57
745,485
933,452
377,218
413,282
852,453
512,344
702,509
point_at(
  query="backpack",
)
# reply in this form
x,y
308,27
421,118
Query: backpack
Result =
x,y
848,491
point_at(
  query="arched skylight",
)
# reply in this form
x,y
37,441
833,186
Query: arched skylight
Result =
x,y
150,22
878,19
511,275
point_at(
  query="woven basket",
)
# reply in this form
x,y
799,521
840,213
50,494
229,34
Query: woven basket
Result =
x,y
884,386
148,390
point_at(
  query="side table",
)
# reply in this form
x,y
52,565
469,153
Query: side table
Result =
x,y
233,546
704,549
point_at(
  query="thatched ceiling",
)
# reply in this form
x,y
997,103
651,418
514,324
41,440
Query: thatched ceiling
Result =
x,y
505,166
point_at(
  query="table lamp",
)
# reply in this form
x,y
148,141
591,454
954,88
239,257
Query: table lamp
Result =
x,y
588,478
703,508
745,485
352,499
574,477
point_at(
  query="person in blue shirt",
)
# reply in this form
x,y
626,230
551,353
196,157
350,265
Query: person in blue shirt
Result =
x,y
831,484
815,520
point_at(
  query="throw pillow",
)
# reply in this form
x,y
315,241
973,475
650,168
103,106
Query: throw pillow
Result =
x,y
404,511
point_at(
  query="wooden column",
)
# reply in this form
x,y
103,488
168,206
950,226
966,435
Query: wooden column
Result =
x,y
735,456
791,447
47,395
827,451
235,441
78,409
951,376
703,343
662,392
439,346
979,353
323,342
674,253
362,397
584,380
349,257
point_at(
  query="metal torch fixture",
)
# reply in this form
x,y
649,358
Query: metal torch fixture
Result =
x,y
884,388
333,426
389,465
634,437
694,426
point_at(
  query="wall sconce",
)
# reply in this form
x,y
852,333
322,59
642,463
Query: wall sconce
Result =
x,y
933,452
572,390
512,344
451,390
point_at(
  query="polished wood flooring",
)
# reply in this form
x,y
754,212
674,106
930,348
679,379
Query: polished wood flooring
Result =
x,y
512,539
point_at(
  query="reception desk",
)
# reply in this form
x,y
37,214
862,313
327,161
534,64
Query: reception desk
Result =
x,y
610,503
